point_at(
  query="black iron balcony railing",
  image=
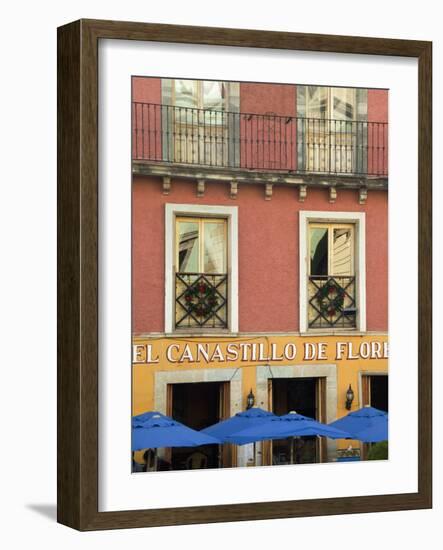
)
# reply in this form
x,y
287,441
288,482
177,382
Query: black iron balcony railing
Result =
x,y
331,302
201,300
204,137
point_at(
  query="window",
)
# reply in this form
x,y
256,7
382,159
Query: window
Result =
x,y
201,279
201,245
331,103
331,287
332,274
333,129
200,94
201,268
200,124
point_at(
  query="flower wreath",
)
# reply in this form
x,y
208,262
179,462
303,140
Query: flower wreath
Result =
x,y
330,298
201,299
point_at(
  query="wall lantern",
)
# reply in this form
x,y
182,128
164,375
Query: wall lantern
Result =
x,y
250,400
349,398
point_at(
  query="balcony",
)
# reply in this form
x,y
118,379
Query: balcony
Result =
x,y
247,142
331,302
201,300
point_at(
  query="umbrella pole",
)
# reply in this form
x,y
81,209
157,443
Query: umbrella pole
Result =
x,y
255,454
155,459
291,443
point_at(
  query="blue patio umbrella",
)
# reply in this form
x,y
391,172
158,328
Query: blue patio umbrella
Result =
x,y
240,421
287,426
374,434
282,427
140,419
158,432
366,424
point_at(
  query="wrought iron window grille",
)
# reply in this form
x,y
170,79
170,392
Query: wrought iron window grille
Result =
x,y
201,300
332,302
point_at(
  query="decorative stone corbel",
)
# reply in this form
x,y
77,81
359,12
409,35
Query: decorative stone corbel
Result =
x,y
332,194
362,195
200,188
166,185
268,191
234,189
302,192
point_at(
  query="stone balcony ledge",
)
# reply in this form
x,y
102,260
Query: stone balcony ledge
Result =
x,y
237,177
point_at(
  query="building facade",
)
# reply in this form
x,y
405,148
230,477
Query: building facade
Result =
x,y
260,256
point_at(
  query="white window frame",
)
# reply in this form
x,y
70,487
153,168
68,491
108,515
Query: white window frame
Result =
x,y
357,218
172,211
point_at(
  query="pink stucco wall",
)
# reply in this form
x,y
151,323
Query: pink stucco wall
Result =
x,y
377,131
378,105
269,141
268,251
278,99
147,90
146,118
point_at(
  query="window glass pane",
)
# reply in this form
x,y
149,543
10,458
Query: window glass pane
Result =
x,y
185,93
342,261
186,101
343,103
316,102
319,250
214,95
214,247
188,245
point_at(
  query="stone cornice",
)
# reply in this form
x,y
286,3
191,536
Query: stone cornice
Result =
x,y
240,176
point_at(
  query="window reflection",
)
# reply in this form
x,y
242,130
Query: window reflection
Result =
x,y
342,252
188,244
319,250
214,248
186,93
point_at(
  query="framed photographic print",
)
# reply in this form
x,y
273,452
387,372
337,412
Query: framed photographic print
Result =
x,y
244,277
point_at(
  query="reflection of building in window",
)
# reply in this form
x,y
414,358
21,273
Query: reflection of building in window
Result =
x,y
199,94
333,129
200,123
331,286
201,276
330,103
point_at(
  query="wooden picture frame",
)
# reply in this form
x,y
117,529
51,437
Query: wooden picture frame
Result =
x,y
78,275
